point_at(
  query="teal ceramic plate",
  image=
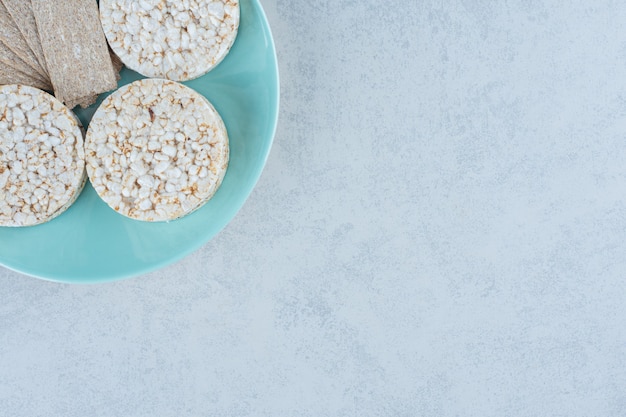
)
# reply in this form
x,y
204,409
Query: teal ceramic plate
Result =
x,y
92,243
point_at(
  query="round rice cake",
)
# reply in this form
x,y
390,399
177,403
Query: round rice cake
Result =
x,y
42,160
156,150
177,40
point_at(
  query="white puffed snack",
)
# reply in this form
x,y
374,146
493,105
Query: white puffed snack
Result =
x,y
156,150
42,160
178,40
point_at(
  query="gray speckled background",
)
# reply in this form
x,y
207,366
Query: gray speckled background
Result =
x,y
440,231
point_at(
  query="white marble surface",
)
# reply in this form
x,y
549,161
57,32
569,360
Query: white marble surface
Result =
x,y
440,231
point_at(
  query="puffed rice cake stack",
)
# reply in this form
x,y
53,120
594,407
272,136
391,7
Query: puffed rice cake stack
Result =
x,y
156,150
177,40
42,168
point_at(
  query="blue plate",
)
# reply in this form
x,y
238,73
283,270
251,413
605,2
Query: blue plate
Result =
x,y
92,243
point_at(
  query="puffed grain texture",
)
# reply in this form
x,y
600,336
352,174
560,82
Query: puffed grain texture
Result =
x,y
156,150
175,40
42,167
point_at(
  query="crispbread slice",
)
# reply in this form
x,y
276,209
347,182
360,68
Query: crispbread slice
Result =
x,y
10,75
83,102
11,36
10,60
22,13
117,64
75,48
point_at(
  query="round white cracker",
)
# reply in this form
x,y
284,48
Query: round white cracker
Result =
x,y
177,40
42,167
156,150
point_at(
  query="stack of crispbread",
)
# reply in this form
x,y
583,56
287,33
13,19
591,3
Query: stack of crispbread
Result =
x,y
57,46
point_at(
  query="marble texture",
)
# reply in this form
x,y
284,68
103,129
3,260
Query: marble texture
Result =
x,y
440,231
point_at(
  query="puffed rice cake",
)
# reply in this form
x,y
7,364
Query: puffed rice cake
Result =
x,y
177,40
42,167
156,150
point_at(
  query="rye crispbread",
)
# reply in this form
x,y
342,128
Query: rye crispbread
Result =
x,y
75,48
22,13
12,38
